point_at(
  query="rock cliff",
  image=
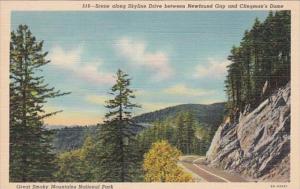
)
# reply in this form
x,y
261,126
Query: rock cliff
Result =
x,y
257,145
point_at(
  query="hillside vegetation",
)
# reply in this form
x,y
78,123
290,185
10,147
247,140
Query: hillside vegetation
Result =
x,y
208,117
260,64
71,138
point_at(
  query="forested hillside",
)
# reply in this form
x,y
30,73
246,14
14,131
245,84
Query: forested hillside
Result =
x,y
208,118
183,131
71,138
260,64
210,114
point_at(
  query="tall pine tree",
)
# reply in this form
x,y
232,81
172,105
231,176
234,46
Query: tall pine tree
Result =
x,y
261,63
116,157
31,157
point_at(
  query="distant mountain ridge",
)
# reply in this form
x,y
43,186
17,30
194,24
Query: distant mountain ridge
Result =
x,y
211,114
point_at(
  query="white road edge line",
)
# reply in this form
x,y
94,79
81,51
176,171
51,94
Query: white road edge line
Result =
x,y
194,173
198,159
208,171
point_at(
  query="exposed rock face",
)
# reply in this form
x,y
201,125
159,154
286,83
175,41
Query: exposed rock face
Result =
x,y
258,144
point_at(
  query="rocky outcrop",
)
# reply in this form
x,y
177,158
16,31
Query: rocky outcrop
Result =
x,y
257,145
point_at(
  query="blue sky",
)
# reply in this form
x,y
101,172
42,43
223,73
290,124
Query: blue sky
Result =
x,y
172,57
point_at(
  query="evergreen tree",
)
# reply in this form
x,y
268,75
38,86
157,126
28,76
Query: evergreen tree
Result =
x,y
189,132
260,64
116,137
31,157
180,131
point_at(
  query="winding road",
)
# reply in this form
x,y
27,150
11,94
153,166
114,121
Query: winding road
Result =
x,y
196,165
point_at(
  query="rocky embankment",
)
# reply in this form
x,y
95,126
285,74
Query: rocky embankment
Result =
x,y
257,145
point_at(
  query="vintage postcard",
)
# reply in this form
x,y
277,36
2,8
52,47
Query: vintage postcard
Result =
x,y
149,94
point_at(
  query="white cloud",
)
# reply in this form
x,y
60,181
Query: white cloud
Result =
x,y
136,52
183,90
66,59
214,68
71,61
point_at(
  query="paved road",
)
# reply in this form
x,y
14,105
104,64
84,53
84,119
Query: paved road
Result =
x,y
196,165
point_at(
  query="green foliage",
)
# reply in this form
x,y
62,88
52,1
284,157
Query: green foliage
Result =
x,y
260,64
185,132
72,138
31,157
209,115
116,157
182,131
76,165
159,131
160,164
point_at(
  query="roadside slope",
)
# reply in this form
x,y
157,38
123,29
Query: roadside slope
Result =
x,y
258,144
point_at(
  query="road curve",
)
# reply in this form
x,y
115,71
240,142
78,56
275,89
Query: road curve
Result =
x,y
208,174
